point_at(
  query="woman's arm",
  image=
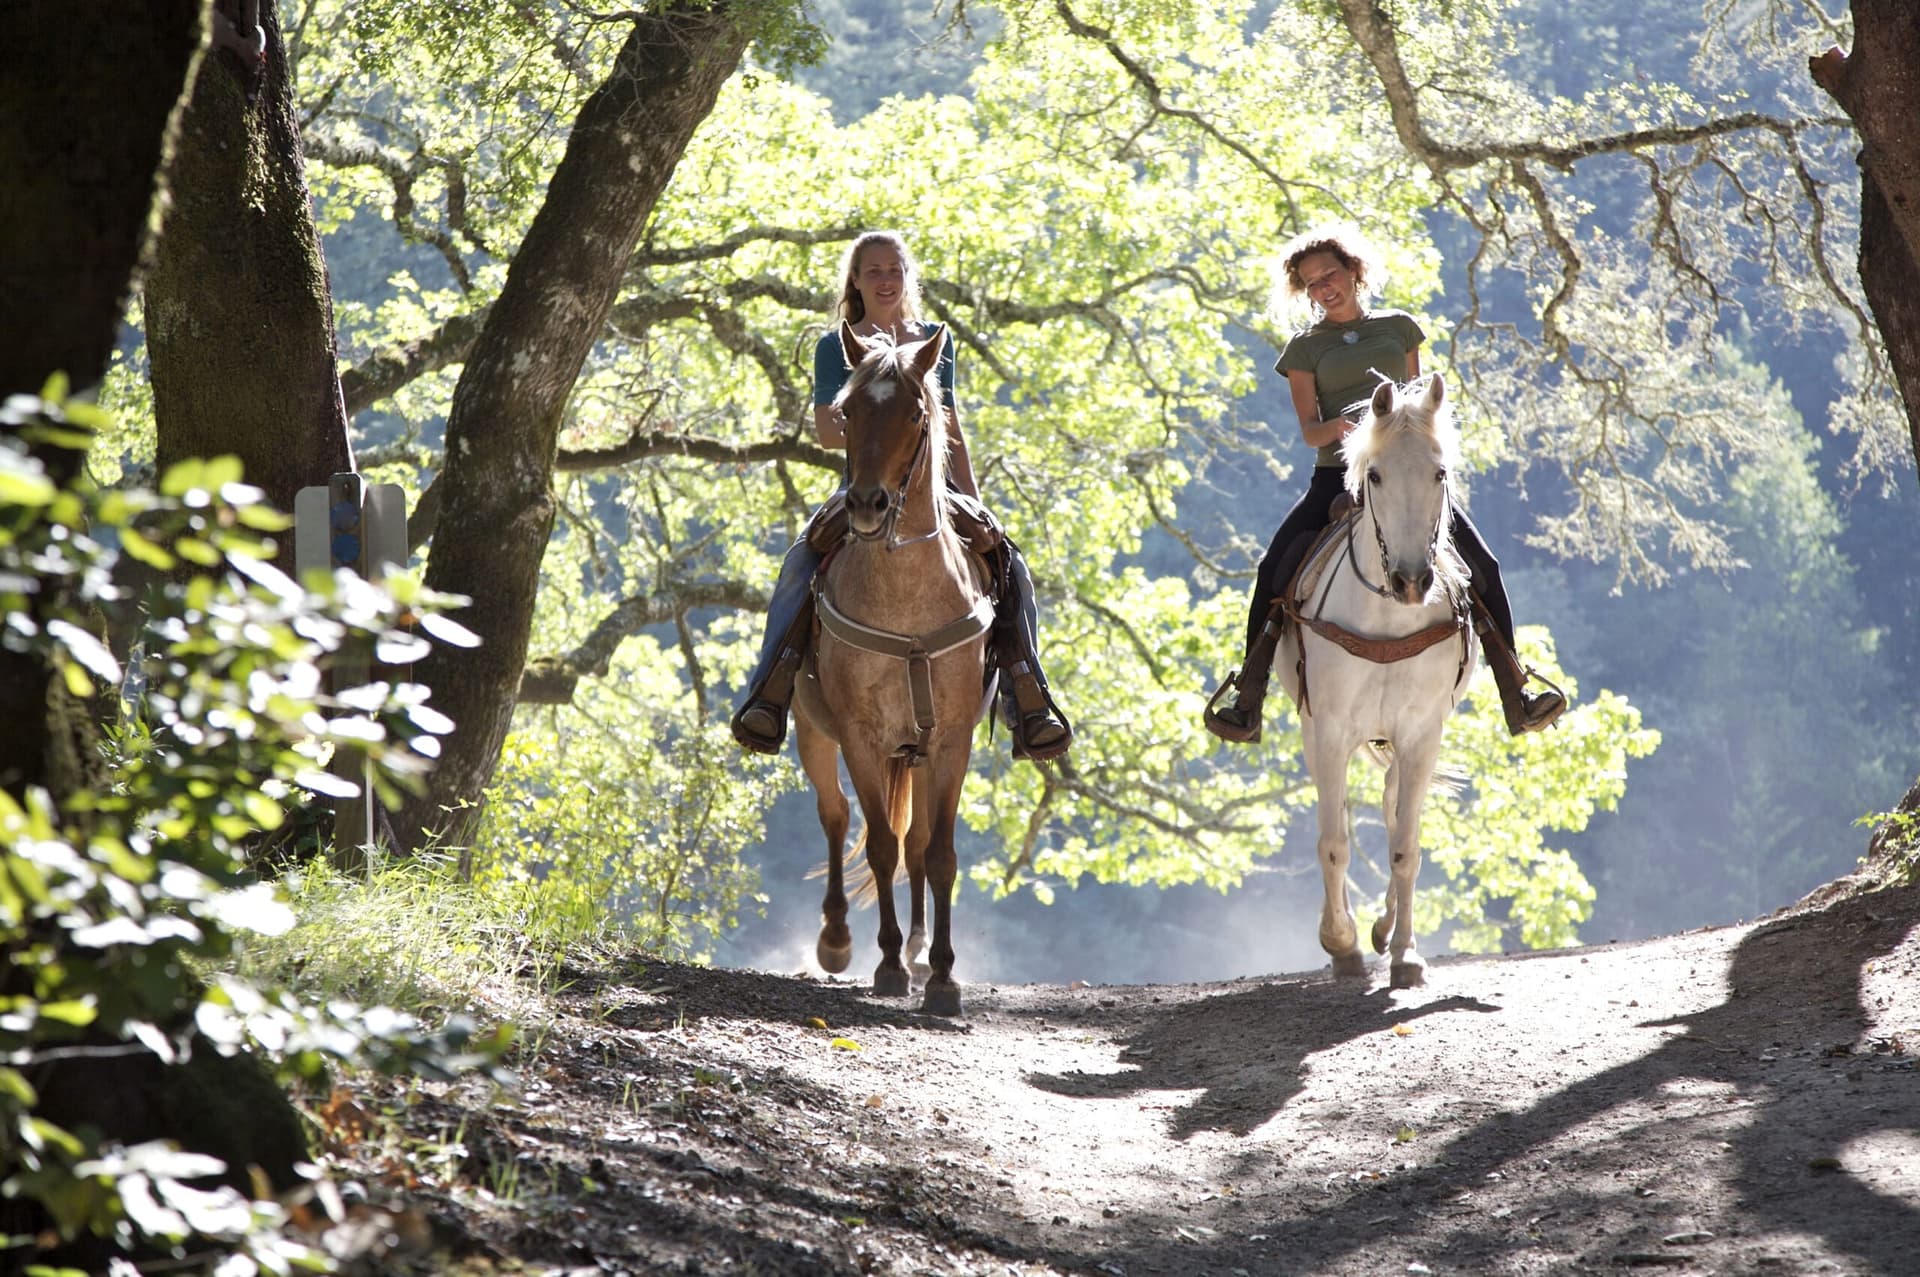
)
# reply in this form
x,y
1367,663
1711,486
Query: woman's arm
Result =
x,y
959,461
830,425
1306,406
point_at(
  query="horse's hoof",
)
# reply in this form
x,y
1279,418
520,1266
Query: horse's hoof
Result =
x,y
1382,928
833,958
1349,966
922,971
942,999
892,982
1409,975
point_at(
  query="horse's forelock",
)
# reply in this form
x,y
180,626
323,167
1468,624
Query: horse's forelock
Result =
x,y
884,361
1410,415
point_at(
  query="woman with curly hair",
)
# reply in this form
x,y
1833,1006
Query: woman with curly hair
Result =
x,y
1332,368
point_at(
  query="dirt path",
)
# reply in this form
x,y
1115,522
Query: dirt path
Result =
x,y
1742,1100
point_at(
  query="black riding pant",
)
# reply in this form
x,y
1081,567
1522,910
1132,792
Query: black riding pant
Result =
x,y
1311,513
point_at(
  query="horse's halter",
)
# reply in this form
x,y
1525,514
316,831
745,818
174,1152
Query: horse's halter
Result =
x,y
897,497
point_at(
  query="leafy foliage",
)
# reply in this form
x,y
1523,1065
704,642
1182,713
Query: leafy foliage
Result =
x,y
1101,259
112,901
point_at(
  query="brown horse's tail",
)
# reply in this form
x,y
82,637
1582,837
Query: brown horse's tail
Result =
x,y
857,872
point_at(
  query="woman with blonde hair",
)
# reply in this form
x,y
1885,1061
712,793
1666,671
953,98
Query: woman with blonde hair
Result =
x,y
880,294
1332,368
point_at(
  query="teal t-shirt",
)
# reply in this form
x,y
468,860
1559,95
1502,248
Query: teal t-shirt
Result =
x,y
1345,358
830,371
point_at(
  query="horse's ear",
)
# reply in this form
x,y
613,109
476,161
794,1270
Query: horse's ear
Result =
x,y
926,355
850,344
1436,392
1383,399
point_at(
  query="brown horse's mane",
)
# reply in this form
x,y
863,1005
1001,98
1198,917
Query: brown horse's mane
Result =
x,y
884,362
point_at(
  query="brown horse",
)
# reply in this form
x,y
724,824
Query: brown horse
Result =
x,y
894,685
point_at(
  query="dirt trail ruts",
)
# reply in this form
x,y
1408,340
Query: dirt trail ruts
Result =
x,y
1730,1101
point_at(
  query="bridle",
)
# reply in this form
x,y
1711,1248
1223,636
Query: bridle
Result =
x,y
897,497
1380,540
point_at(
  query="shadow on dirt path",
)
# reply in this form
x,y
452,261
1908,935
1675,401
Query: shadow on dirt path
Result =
x,y
1244,1049
1771,1093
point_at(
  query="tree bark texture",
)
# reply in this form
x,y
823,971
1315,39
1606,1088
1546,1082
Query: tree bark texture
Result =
x,y
88,98
239,313
503,428
87,93
1878,85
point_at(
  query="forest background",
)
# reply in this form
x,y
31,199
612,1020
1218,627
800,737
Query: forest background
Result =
x,y
1706,537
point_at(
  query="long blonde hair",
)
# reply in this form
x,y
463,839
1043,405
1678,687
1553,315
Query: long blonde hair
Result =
x,y
851,305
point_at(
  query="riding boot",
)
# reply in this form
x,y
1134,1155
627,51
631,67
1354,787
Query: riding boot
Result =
x,y
1040,731
1239,721
1526,711
760,723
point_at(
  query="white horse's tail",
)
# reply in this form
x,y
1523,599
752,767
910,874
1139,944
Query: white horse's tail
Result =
x,y
1448,778
857,871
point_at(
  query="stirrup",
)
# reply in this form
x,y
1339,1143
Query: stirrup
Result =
x,y
1539,710
756,738
1225,728
1022,721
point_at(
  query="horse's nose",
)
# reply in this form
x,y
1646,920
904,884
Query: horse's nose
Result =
x,y
866,507
1410,588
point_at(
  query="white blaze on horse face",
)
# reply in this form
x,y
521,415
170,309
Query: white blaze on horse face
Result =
x,y
880,391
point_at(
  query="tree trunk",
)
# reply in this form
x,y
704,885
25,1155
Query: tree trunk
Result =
x,y
88,91
87,95
239,314
1878,85
503,428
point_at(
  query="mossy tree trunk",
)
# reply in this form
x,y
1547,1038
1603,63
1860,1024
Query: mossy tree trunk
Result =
x,y
503,427
239,313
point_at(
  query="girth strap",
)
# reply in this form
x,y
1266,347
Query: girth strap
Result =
x,y
917,650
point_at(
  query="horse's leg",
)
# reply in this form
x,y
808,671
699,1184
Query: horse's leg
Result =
x,y
1327,763
1390,814
820,759
879,798
943,865
1412,774
917,839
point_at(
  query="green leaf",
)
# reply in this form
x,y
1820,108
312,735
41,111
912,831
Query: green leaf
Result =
x,y
79,1012
147,552
15,1084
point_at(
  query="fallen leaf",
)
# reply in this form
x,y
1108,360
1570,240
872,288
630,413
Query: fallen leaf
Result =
x,y
845,1044
816,1022
1403,1030
1405,1135
875,1101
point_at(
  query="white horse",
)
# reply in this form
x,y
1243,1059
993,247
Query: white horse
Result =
x,y
1379,653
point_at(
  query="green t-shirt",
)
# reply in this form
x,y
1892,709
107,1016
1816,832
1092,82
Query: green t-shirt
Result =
x,y
1344,359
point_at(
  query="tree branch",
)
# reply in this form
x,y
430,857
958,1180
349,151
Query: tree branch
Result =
x,y
550,680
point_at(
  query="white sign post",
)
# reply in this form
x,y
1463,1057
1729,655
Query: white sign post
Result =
x,y
361,526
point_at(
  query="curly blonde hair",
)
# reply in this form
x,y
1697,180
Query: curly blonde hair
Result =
x,y
1346,242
